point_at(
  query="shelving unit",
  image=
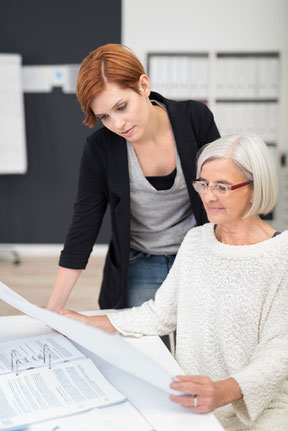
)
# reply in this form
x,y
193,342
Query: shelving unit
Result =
x,y
246,93
241,88
180,75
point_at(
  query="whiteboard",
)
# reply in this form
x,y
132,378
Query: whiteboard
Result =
x,y
13,157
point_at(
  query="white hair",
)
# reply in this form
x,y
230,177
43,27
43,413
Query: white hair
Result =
x,y
251,155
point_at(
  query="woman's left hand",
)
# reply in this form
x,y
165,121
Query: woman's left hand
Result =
x,y
202,395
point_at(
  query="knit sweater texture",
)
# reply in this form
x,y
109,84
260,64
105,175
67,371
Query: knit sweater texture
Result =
x,y
230,307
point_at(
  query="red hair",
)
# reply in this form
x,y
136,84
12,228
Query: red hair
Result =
x,y
108,63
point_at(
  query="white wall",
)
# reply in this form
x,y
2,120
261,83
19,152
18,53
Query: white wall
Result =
x,y
204,25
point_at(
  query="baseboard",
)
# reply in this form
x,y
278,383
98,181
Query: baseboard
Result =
x,y
46,249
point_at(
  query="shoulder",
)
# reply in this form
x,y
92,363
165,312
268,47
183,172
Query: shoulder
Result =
x,y
195,236
280,243
192,246
190,115
98,138
99,143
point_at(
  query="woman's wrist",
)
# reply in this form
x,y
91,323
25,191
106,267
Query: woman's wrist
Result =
x,y
228,390
101,322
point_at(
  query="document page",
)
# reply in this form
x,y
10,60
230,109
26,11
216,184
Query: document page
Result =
x,y
40,394
29,351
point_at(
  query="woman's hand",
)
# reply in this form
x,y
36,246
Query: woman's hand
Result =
x,y
203,395
101,322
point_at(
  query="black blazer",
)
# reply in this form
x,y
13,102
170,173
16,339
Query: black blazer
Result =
x,y
104,178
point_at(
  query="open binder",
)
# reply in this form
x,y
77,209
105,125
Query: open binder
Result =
x,y
15,359
46,377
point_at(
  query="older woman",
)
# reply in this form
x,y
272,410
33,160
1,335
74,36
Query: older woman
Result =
x,y
227,295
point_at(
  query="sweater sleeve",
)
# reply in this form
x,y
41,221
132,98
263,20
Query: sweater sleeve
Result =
x,y
158,316
261,378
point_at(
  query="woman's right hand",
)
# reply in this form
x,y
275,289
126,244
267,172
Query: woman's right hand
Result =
x,y
101,322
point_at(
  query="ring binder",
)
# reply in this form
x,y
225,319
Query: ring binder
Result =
x,y
14,357
46,353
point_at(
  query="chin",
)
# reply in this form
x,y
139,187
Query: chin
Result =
x,y
214,218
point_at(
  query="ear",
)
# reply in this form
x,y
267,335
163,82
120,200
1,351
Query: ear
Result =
x,y
144,85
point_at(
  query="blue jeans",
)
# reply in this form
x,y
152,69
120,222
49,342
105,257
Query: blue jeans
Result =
x,y
146,273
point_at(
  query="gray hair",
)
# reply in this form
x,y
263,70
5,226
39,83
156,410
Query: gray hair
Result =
x,y
251,155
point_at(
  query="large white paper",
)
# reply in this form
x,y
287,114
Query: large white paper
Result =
x,y
96,341
119,417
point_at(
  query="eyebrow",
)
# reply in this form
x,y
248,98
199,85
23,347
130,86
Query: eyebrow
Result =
x,y
113,107
218,181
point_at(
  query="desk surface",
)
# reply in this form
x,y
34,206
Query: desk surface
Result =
x,y
163,414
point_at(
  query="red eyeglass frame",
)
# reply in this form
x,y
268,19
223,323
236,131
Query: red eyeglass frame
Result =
x,y
236,186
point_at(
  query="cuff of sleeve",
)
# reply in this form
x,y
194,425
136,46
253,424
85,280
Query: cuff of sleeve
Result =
x,y
72,262
116,319
253,402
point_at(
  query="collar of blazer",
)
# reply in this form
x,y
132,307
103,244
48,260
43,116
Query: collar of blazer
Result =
x,y
181,118
185,141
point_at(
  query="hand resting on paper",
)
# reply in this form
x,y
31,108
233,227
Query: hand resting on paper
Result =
x,y
202,395
100,322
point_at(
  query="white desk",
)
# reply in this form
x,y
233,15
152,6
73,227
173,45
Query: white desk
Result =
x,y
163,414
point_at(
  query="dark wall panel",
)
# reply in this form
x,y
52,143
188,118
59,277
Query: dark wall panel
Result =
x,y
37,207
58,31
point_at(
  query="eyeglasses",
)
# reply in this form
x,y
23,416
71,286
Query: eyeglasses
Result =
x,y
218,189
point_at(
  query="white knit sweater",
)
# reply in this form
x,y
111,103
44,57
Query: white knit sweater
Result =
x,y
230,307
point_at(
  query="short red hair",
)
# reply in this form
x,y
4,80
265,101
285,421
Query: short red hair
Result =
x,y
108,63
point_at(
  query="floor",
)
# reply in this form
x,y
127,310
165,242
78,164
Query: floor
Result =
x,y
33,279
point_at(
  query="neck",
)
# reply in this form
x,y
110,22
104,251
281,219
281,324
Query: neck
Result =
x,y
248,231
158,125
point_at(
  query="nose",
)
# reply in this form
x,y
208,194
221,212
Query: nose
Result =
x,y
119,123
209,195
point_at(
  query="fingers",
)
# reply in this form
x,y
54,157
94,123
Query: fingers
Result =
x,y
198,393
193,403
100,322
69,313
188,386
72,315
196,379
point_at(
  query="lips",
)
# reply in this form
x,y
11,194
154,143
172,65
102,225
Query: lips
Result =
x,y
128,132
214,209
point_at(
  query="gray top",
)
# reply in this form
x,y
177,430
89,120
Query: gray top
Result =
x,y
159,218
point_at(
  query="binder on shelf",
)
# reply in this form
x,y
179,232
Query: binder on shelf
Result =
x,y
259,118
179,75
